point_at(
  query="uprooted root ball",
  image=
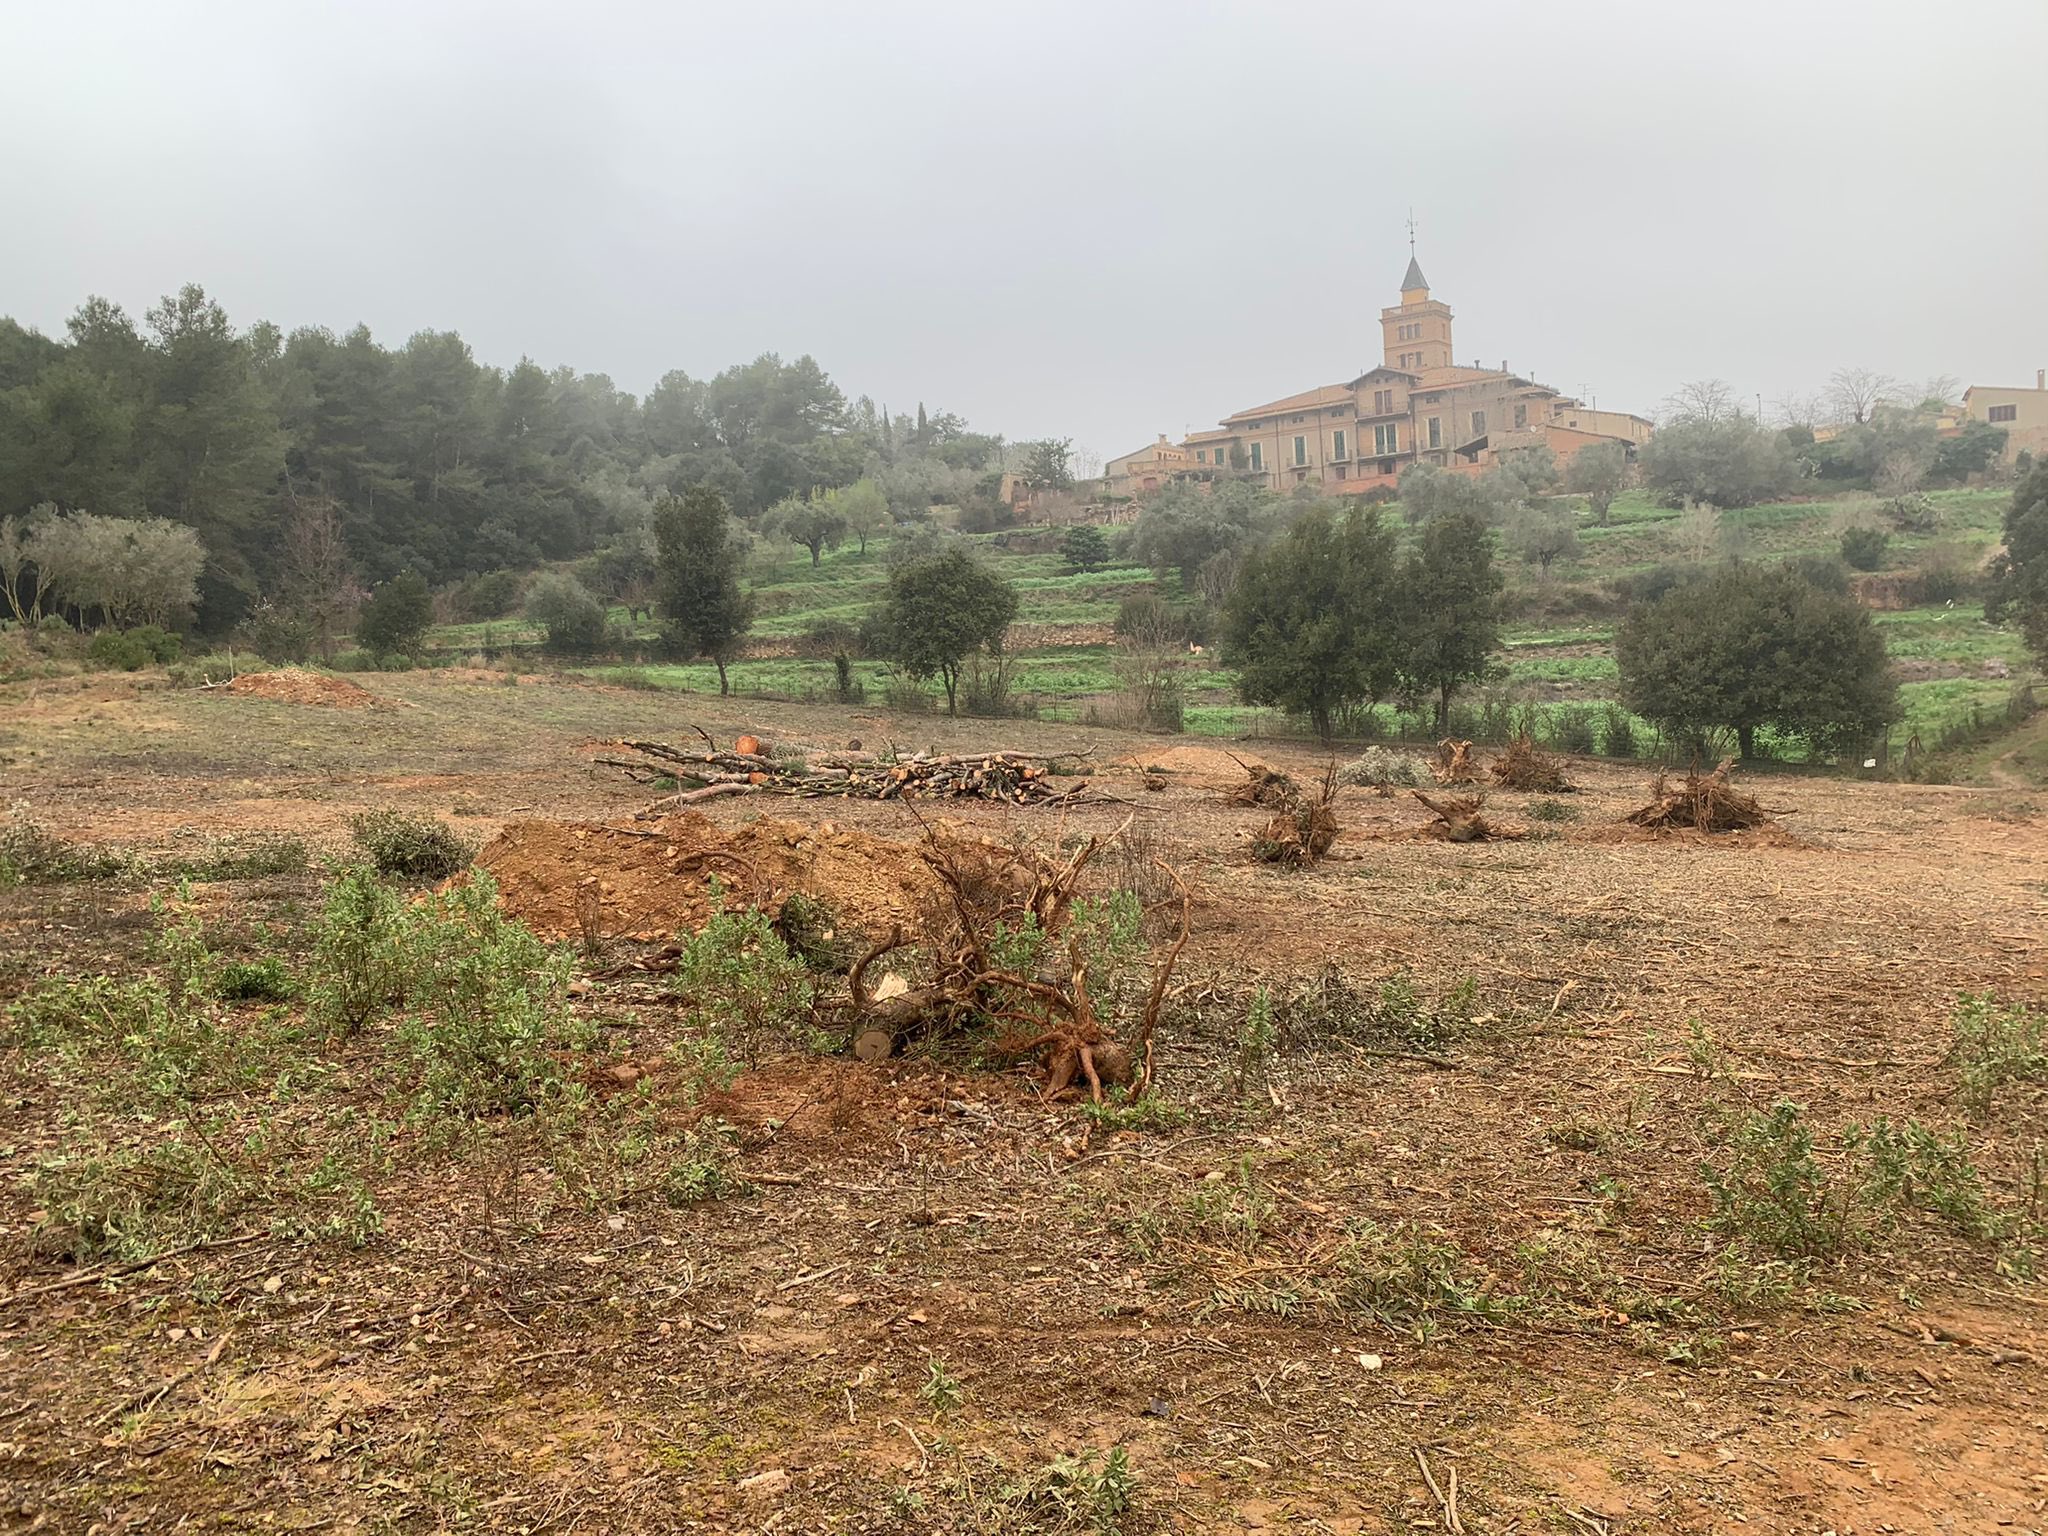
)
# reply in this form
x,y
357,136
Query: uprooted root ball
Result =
x,y
1527,767
1460,819
1704,802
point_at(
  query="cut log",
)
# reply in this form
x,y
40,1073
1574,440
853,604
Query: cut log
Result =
x,y
874,1044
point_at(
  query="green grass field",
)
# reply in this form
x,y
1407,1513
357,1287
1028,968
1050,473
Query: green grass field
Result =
x,y
1950,656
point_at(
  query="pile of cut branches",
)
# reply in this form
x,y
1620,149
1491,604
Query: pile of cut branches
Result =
x,y
1704,802
1048,1010
1018,778
1453,763
1462,819
1301,832
1526,766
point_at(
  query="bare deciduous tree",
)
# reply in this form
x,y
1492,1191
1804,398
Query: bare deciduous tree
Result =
x,y
1803,411
1853,393
317,577
1702,403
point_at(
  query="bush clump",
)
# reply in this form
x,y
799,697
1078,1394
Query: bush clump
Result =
x,y
1863,549
411,847
130,650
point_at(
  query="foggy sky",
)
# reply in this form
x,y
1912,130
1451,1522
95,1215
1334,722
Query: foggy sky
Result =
x,y
1090,220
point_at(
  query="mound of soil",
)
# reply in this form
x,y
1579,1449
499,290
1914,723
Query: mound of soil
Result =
x,y
294,685
653,879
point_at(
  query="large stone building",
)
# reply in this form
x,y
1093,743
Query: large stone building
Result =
x,y
1417,407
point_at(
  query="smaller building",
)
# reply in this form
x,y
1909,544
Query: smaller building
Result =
x,y
1149,468
2022,412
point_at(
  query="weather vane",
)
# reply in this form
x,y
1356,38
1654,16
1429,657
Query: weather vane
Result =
x,y
1411,231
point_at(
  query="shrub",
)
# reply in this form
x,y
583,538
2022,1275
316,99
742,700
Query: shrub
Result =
x,y
1863,549
1993,1046
359,960
238,858
571,618
115,651
411,847
1775,1195
493,1019
1947,574
1385,770
490,596
393,623
737,974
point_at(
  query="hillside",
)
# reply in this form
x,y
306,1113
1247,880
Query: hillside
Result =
x,y
1557,669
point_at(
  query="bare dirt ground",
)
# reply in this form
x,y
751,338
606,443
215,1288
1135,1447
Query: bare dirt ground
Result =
x,y
1481,1250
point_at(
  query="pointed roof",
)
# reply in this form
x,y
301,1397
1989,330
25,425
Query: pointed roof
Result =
x,y
1414,279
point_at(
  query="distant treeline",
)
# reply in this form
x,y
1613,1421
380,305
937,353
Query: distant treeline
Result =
x,y
428,459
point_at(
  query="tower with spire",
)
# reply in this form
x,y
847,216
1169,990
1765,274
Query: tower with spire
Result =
x,y
1416,332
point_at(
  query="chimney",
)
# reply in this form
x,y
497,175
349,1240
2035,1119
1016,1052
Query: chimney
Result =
x,y
1503,365
2041,378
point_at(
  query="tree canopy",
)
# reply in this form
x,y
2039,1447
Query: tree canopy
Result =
x,y
1599,473
2020,574
704,609
1749,647
1315,622
429,459
1452,592
941,610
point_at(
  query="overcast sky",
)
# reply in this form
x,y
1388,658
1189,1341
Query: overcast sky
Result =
x,y
1096,220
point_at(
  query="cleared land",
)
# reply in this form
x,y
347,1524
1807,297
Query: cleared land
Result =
x,y
1448,1211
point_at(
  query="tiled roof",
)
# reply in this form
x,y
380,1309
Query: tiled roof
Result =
x,y
1414,279
1327,394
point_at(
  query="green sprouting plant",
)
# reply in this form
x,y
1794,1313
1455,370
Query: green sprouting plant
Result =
x,y
1913,1168
360,962
1256,1038
703,1170
1095,1489
1773,1193
107,1199
491,1015
812,929
411,847
31,854
1416,1277
262,981
737,975
1703,1052
71,1013
179,948
238,858
1148,1111
941,1389
1552,809
1993,1046
1234,1208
